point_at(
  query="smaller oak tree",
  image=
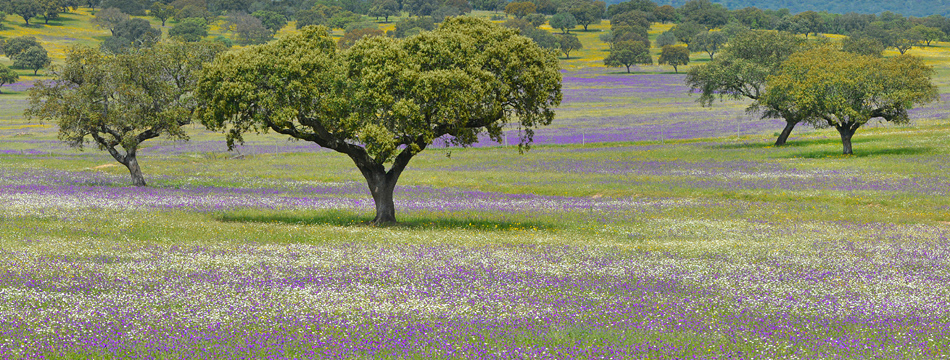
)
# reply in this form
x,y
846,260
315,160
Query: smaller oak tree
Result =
x,y
674,56
629,53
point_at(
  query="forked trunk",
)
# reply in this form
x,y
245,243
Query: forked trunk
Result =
x,y
382,189
846,134
783,137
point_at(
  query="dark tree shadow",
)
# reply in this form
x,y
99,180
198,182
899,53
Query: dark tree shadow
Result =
x,y
410,221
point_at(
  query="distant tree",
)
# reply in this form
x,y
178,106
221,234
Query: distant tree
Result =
x,y
19,44
520,9
843,90
607,37
249,29
384,8
568,43
808,22
630,33
351,37
135,33
109,19
420,7
193,11
928,34
3,16
271,20
162,11
309,17
27,9
631,18
587,13
752,18
704,12
665,14
488,5
231,5
563,21
666,38
536,20
390,97
7,76
122,100
685,32
639,5
674,56
546,7
708,41
189,30
131,7
407,27
543,38
629,53
50,9
461,5
443,12
33,58
734,28
903,40
862,45
742,71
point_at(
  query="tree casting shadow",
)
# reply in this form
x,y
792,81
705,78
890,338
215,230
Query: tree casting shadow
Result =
x,y
339,218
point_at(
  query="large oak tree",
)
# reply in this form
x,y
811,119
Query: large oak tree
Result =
x,y
384,100
833,88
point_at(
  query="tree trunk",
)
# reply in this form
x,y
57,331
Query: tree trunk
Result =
x,y
133,165
382,187
783,137
846,133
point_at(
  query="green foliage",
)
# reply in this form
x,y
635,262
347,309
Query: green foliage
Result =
x,y
309,17
341,19
162,11
686,31
709,41
50,9
634,18
863,45
520,9
407,27
665,39
645,6
131,7
536,20
190,30
33,58
352,36
420,7
384,99
929,34
122,100
270,20
27,9
704,12
588,12
563,21
568,43
132,34
630,33
674,56
109,19
19,44
384,8
665,14
249,29
832,88
7,76
629,53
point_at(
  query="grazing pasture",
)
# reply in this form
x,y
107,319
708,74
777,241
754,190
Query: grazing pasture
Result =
x,y
639,225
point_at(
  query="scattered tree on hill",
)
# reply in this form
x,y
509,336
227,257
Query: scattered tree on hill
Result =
x,y
564,21
588,12
384,100
3,16
135,33
808,22
189,30
249,29
708,41
568,43
271,20
863,45
832,88
162,11
903,40
33,58
629,53
674,56
120,101
666,38
646,6
543,38
536,20
131,7
665,14
520,9
408,27
742,71
929,34
384,8
685,32
704,12
420,7
633,18
545,7
50,9
27,9
351,37
308,17
7,76
19,44
109,19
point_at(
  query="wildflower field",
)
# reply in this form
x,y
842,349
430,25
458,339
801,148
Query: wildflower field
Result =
x,y
640,225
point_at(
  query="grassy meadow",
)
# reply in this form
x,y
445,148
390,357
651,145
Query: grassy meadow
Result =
x,y
639,226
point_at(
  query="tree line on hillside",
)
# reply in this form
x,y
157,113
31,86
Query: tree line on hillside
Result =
x,y
906,7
